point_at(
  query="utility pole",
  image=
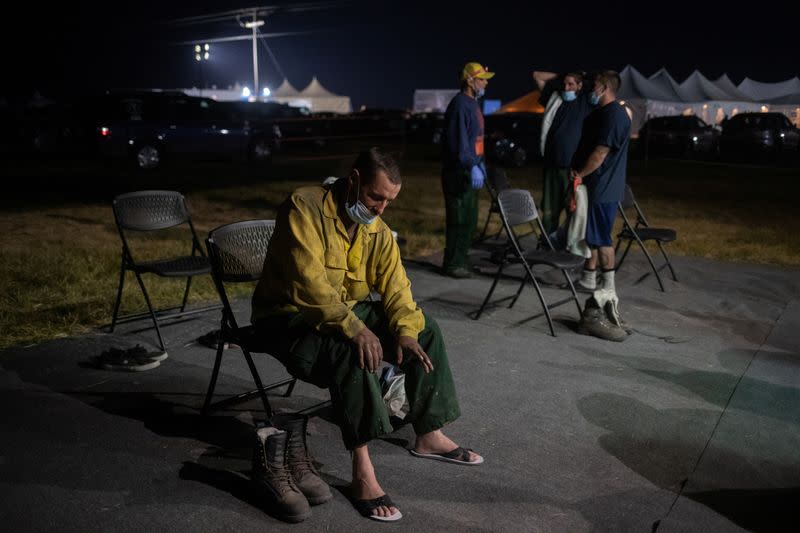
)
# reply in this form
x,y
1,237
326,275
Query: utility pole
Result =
x,y
254,25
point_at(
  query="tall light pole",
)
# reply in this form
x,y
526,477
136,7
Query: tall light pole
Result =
x,y
201,55
254,25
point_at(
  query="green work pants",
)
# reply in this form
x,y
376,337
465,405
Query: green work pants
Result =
x,y
554,196
331,361
461,215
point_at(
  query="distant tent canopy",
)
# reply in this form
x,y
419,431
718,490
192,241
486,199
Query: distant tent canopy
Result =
x,y
528,103
711,100
315,97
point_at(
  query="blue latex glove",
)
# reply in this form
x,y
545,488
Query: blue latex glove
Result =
x,y
478,175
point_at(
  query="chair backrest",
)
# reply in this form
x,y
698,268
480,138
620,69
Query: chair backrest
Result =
x,y
237,251
517,207
146,211
150,210
628,200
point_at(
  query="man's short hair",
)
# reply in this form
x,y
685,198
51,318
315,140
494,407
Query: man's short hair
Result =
x,y
369,162
575,74
610,78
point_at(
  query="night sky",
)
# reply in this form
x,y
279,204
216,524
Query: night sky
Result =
x,y
378,53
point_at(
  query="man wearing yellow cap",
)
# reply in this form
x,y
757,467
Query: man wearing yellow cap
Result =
x,y
463,167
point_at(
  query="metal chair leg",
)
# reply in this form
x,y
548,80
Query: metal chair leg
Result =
x,y
624,254
186,293
541,300
491,290
652,264
152,312
214,375
119,298
572,288
666,258
261,392
519,291
290,389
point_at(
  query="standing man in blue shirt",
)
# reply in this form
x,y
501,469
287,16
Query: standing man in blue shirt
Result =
x,y
601,161
565,112
463,168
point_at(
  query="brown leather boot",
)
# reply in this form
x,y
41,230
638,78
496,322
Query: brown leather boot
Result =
x,y
299,459
272,477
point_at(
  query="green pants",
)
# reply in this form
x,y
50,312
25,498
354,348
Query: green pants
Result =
x,y
554,196
331,361
461,214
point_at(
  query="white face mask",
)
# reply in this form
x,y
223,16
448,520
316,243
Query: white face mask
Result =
x,y
358,212
479,91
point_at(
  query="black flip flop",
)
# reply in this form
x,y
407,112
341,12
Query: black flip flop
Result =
x,y
365,507
459,456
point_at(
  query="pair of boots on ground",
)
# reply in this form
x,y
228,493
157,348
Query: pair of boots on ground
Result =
x,y
283,469
600,317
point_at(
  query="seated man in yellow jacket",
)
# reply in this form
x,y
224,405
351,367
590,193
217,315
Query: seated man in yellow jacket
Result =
x,y
330,249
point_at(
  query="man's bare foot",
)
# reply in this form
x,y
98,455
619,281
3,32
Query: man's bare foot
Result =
x,y
438,442
365,485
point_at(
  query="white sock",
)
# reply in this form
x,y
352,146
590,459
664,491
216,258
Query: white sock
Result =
x,y
588,279
607,280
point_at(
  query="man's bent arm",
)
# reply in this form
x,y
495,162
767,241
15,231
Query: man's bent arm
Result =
x,y
392,283
593,162
541,78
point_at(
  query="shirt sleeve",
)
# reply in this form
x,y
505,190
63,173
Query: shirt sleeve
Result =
x,y
309,289
458,136
392,283
614,130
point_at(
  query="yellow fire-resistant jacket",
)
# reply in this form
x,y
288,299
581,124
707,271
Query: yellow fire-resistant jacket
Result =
x,y
313,268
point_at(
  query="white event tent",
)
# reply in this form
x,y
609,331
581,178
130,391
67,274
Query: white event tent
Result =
x,y
711,100
315,97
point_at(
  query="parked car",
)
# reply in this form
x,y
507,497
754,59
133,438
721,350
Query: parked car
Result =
x,y
759,133
425,128
681,136
149,126
512,139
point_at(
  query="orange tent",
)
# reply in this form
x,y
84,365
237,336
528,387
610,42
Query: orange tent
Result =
x,y
527,103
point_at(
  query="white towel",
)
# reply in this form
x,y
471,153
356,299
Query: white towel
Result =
x,y
576,226
549,114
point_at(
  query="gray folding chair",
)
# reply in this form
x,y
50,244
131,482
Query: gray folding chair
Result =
x,y
517,209
641,232
149,211
237,253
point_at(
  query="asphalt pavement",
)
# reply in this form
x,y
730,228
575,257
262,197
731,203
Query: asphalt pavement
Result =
x,y
691,424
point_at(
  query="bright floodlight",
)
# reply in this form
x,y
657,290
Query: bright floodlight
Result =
x,y
246,92
197,57
197,48
205,56
206,47
254,24
266,91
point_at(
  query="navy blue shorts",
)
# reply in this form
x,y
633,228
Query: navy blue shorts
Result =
x,y
600,223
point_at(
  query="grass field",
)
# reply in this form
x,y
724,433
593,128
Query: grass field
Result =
x,y
60,248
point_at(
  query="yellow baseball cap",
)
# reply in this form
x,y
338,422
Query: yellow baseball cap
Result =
x,y
475,70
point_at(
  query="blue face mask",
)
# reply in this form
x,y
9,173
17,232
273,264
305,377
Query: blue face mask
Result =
x,y
359,213
594,98
479,93
568,96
